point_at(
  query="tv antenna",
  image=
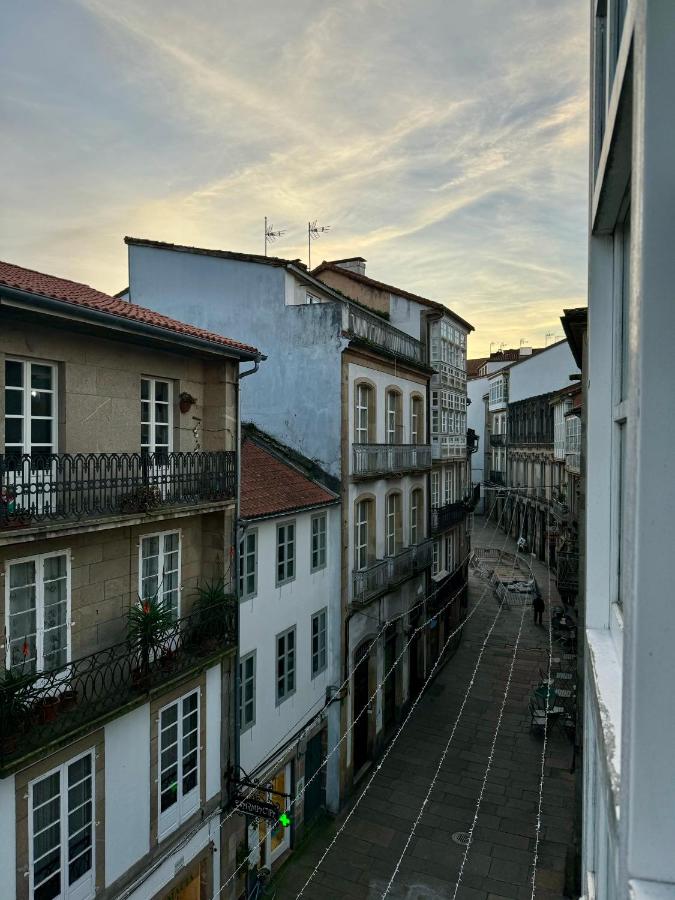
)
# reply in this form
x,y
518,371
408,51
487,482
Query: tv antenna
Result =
x,y
271,235
551,334
314,232
523,342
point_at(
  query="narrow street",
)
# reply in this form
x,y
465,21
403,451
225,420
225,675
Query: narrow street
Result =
x,y
499,863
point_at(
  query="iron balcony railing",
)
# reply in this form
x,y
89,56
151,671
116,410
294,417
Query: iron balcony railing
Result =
x,y
498,440
496,476
568,571
45,707
390,459
444,517
62,486
560,510
359,323
384,574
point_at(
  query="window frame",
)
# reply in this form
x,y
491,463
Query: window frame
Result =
x,y
292,560
152,423
161,535
67,891
244,556
26,414
416,524
321,563
184,807
417,435
393,416
393,523
39,561
365,391
367,523
321,632
284,635
243,680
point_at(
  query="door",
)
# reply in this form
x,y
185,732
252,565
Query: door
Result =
x,y
314,787
361,718
390,683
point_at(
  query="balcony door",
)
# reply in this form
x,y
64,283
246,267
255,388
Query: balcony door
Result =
x,y
28,482
156,431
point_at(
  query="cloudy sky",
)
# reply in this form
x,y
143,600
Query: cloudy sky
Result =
x,y
443,140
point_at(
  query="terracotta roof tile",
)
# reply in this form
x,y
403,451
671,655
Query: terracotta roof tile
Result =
x,y
269,485
82,295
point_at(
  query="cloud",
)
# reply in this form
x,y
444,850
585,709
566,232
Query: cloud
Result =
x,y
445,142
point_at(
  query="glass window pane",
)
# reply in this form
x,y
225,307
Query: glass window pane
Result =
x,y
40,431
13,403
161,412
162,391
145,389
41,403
13,431
145,411
41,376
13,373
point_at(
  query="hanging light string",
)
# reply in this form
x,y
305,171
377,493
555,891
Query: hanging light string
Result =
x,y
398,733
372,697
490,757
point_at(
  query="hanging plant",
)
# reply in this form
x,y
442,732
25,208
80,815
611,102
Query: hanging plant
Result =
x,y
186,401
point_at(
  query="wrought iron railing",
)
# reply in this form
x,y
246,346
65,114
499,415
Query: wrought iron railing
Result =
x,y
498,440
496,476
560,510
390,459
568,571
83,485
39,709
444,517
384,574
367,326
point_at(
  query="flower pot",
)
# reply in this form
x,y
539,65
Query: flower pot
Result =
x,y
68,699
49,709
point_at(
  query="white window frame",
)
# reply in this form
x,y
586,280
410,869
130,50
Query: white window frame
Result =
x,y
161,535
85,887
416,507
364,396
26,447
436,557
186,804
244,723
416,419
435,489
289,558
152,423
362,526
288,670
39,562
393,514
248,564
320,552
392,407
320,620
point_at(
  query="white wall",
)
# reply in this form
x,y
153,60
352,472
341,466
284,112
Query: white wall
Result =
x,y
127,791
8,836
275,609
548,371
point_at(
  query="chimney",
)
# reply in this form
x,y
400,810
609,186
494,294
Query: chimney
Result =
x,y
525,351
352,264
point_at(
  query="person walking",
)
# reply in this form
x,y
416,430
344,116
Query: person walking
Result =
x,y
539,606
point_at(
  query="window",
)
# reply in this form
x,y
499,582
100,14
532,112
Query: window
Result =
x,y
30,405
159,571
61,832
285,664
248,551
364,533
37,613
247,691
447,486
436,558
155,416
364,414
178,747
319,642
394,529
318,542
416,420
435,489
393,417
416,508
285,552
450,552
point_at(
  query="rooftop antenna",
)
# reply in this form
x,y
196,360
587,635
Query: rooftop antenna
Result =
x,y
491,343
314,231
270,234
501,346
523,342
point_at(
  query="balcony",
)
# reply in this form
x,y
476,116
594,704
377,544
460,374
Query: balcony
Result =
x,y
385,574
573,461
448,446
366,326
445,517
65,487
496,476
568,572
448,375
498,440
43,709
389,460
560,510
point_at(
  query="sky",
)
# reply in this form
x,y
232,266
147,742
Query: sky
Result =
x,y
443,140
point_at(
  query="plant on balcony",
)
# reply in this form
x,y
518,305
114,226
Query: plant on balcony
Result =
x,y
144,498
14,709
214,611
149,621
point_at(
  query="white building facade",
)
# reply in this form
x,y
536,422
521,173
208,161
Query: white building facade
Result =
x,y
629,768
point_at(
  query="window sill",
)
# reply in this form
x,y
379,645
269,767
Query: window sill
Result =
x,y
639,889
606,683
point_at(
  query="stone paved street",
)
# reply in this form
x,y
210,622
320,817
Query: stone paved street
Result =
x,y
499,863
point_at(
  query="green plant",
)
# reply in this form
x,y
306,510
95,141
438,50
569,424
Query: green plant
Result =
x,y
148,623
214,608
144,498
14,704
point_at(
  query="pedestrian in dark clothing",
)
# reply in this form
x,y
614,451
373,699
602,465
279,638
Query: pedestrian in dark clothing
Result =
x,y
539,606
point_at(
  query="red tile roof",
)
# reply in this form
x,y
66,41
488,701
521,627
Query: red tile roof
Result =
x,y
473,365
388,288
84,296
271,486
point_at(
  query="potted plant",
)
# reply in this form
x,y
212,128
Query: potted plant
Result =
x,y
14,708
144,498
214,614
148,623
